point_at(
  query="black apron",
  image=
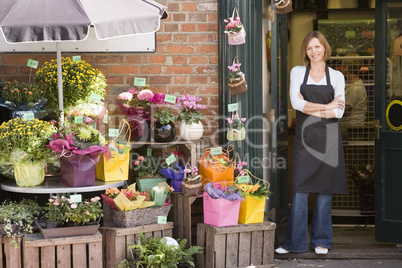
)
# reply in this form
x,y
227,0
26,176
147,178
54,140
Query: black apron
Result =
x,y
318,160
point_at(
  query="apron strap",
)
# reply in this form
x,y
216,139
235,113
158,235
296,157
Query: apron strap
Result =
x,y
306,75
327,75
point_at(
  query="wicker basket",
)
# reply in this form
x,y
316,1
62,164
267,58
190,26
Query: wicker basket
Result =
x,y
191,188
284,6
141,216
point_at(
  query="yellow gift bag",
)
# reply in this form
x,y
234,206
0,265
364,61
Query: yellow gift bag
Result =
x,y
115,166
27,175
252,207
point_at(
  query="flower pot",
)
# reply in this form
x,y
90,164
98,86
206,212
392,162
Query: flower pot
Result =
x,y
164,133
78,170
238,85
29,175
191,132
51,224
236,135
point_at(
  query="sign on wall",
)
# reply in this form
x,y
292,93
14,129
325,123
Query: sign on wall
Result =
x,y
134,43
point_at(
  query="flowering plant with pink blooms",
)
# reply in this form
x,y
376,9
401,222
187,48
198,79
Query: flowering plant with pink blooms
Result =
x,y
233,25
162,113
190,106
136,96
146,165
235,122
234,71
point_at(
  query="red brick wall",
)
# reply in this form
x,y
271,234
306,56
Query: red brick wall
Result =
x,y
185,61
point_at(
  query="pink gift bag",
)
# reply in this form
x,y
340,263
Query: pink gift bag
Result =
x,y
220,212
237,38
235,29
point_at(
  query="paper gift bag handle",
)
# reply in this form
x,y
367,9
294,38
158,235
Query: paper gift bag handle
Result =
x,y
235,12
128,130
246,171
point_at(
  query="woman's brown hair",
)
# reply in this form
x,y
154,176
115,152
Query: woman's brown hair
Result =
x,y
323,41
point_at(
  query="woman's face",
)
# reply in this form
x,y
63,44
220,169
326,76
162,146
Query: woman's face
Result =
x,y
315,50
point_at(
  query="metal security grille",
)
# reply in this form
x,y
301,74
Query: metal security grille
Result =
x,y
357,129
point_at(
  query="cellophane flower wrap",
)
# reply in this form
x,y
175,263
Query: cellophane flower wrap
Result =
x,y
21,98
22,142
127,199
134,100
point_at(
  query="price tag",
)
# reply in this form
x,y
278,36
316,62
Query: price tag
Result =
x,y
243,179
139,82
76,198
233,107
28,116
170,159
162,219
79,119
170,98
95,97
113,132
76,59
149,152
33,63
216,150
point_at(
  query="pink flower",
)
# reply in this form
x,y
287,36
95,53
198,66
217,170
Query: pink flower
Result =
x,y
73,205
145,94
187,170
125,96
70,138
140,158
234,116
56,203
95,199
133,91
230,121
136,163
243,119
225,20
87,212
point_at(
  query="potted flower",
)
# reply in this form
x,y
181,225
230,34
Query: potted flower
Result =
x,y
21,98
364,177
252,206
236,79
17,218
134,104
234,29
236,130
23,154
78,146
80,80
56,209
190,127
86,212
163,118
161,252
192,181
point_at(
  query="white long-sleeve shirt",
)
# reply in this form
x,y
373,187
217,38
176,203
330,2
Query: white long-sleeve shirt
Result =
x,y
296,80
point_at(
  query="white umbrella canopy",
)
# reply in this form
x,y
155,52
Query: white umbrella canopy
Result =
x,y
26,21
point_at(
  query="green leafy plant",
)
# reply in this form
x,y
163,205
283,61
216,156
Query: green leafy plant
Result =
x,y
80,80
164,116
85,211
17,218
158,252
145,165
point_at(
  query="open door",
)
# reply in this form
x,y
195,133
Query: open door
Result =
x,y
388,123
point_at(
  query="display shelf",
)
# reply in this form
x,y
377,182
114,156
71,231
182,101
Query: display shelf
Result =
x,y
52,185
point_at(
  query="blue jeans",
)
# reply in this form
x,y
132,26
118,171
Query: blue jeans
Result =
x,y
297,225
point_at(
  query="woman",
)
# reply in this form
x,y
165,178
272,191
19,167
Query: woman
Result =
x,y
317,92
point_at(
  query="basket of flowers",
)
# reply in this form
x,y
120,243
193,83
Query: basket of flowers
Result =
x,y
234,29
236,79
192,182
130,207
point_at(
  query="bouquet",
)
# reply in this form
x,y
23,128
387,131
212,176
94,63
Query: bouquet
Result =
x,y
20,98
135,96
127,199
80,80
190,106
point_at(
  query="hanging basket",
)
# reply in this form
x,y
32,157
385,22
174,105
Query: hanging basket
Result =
x,y
238,86
284,6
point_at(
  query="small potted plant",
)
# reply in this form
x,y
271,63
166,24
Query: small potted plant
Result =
x,y
22,148
146,172
17,218
236,78
236,130
364,177
56,209
21,98
163,118
161,252
86,212
191,127
192,181
234,29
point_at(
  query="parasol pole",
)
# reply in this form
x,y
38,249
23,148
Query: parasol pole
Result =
x,y
60,84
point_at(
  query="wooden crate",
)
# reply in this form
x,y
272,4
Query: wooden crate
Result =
x,y
10,255
116,240
74,251
243,245
186,213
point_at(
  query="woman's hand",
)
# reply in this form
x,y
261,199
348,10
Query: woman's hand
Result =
x,y
336,103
